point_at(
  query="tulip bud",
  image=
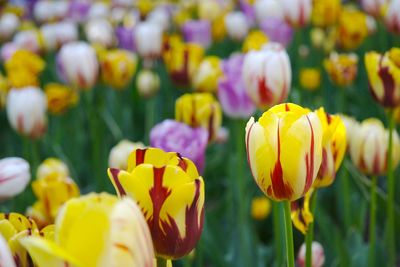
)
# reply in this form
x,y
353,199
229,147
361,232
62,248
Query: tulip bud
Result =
x,y
384,81
236,25
6,258
310,78
119,154
60,98
325,13
118,67
148,38
147,83
207,74
369,150
100,31
317,252
352,28
268,9
26,111
255,40
77,64
9,23
392,18
267,75
297,12
260,208
170,193
342,68
284,150
14,177
52,167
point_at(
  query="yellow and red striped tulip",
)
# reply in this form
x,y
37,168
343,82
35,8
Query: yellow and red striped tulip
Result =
x,y
333,147
95,230
60,97
284,150
384,76
325,12
341,68
206,77
369,150
170,193
352,29
301,214
199,110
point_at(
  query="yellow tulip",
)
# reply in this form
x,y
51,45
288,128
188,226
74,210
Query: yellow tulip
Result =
x,y
310,78
333,147
254,41
325,12
218,28
384,76
352,29
342,68
284,150
60,97
301,214
199,109
95,230
170,193
207,75
118,67
260,208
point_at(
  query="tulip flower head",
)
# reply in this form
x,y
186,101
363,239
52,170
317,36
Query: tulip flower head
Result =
x,y
100,31
119,154
325,12
310,78
60,98
170,193
197,31
297,12
284,151
147,83
14,177
255,40
300,212
260,208
277,30
392,17
119,236
236,25
207,74
267,75
148,38
342,68
384,76
6,258
352,29
317,252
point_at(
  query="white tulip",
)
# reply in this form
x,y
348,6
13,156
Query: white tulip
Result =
x,y
119,154
100,31
9,23
6,258
14,177
236,25
148,37
297,12
268,9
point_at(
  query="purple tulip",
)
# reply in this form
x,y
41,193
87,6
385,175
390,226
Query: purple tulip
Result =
x,y
231,91
248,11
174,136
78,10
277,30
197,31
125,38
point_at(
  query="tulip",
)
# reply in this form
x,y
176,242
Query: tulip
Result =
x,y
255,40
197,31
277,30
249,11
297,12
119,236
47,11
199,109
125,38
78,10
392,17
8,50
284,150
77,64
352,29
260,208
231,90
373,7
147,83
57,34
59,97
207,74
268,9
98,10
333,147
160,16
318,256
310,78
6,259
236,25
171,135
52,167
170,193
325,12
301,213
148,38
100,31
351,126
14,177
26,111
267,75
118,67
29,40
9,23
342,68
119,154
383,76
369,150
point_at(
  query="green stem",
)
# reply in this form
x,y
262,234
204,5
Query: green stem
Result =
x,y
310,231
372,222
276,210
289,235
391,192
345,193
161,262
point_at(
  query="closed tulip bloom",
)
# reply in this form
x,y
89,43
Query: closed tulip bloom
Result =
x,y
199,110
369,150
342,68
29,40
77,64
197,31
297,12
118,67
255,40
325,12
284,150
100,31
301,214
317,252
125,38
60,97
52,167
236,25
119,237
268,9
267,75
351,126
170,193
392,17
119,154
373,7
147,83
277,30
6,258
260,208
14,177
57,34
333,147
148,38
206,77
9,23
384,76
352,29
310,78
26,111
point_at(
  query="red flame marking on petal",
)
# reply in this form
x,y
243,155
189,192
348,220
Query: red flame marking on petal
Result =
x,y
114,174
140,153
264,91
